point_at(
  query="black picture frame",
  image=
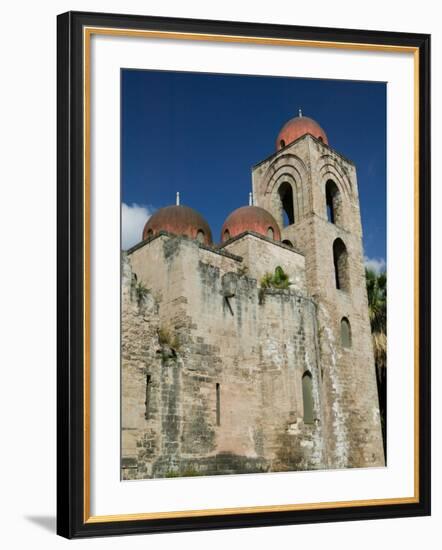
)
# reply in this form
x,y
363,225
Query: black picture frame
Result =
x,y
72,520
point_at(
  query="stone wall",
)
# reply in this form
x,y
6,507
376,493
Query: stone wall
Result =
x,y
226,366
141,437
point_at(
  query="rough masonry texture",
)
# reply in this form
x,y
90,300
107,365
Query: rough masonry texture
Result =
x,y
221,374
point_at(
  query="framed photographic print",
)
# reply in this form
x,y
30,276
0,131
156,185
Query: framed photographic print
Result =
x,y
231,198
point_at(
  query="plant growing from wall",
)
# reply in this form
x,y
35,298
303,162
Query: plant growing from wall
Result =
x,y
279,280
169,343
266,280
141,291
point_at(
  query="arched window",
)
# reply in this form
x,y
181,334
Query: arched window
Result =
x,y
200,236
218,404
345,333
287,243
147,397
149,233
307,397
226,235
340,261
321,139
270,233
333,202
282,143
286,196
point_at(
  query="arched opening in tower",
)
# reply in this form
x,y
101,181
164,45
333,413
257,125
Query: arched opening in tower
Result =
x,y
340,261
345,333
285,192
333,202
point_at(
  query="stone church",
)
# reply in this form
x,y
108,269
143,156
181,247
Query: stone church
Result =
x,y
254,354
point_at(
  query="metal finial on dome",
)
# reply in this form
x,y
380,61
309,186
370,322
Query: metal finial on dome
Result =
x,y
177,198
300,113
250,199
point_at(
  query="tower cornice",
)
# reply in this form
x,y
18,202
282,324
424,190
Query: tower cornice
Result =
x,y
283,150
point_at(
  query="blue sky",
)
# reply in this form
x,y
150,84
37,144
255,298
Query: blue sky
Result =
x,y
200,134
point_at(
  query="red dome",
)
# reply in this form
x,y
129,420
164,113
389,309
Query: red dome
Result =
x,y
250,218
297,127
179,220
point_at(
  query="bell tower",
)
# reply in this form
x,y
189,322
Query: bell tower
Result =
x,y
311,190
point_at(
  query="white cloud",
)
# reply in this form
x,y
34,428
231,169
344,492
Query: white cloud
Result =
x,y
378,265
133,219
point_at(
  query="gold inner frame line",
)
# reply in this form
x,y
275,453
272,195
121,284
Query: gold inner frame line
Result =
x,y
87,34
